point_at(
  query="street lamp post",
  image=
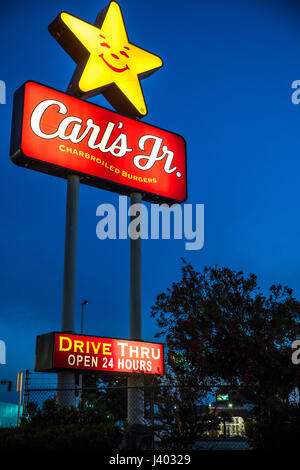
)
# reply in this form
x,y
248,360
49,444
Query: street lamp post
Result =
x,y
85,302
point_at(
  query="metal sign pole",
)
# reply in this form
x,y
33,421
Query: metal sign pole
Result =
x,y
65,379
135,400
25,394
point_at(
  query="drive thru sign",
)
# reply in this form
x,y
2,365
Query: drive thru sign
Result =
x,y
58,351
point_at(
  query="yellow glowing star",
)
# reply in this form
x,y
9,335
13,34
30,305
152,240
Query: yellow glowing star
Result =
x,y
107,62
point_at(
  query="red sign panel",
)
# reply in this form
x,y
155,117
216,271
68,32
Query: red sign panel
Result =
x,y
57,351
58,134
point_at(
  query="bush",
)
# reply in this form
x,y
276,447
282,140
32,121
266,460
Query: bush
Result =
x,y
61,428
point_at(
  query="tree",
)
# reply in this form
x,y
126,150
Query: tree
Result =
x,y
180,419
219,328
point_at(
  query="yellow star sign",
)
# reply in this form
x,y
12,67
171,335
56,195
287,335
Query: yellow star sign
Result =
x,y
107,62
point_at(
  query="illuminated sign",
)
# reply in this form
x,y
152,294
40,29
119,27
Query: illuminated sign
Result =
x,y
107,62
59,351
223,397
58,133
55,133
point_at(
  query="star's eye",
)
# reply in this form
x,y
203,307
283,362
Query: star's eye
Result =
x,y
125,54
115,56
104,44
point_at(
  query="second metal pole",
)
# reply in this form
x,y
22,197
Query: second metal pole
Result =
x,y
135,401
135,278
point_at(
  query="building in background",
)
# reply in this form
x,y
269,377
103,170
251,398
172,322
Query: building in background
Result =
x,y
8,414
232,413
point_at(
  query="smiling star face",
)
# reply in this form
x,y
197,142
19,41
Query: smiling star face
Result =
x,y
109,59
114,59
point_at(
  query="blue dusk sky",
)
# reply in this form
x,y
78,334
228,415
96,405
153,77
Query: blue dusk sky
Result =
x,y
226,88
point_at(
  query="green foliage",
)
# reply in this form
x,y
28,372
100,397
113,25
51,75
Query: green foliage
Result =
x,y
64,437
54,427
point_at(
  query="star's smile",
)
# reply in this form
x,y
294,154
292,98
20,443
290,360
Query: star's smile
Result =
x,y
115,69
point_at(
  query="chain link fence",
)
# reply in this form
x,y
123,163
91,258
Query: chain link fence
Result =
x,y
158,412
